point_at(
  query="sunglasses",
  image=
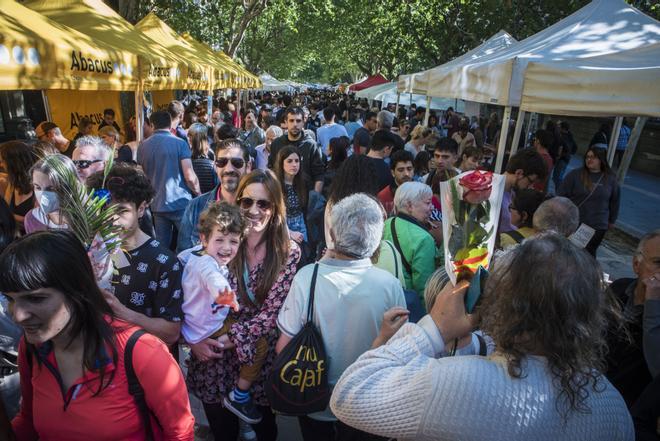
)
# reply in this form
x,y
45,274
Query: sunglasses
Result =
x,y
247,203
236,162
82,164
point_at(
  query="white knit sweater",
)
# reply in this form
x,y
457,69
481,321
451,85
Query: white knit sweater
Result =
x,y
400,390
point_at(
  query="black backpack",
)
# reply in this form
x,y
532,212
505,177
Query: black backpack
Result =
x,y
298,381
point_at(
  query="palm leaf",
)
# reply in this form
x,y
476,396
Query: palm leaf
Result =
x,y
85,213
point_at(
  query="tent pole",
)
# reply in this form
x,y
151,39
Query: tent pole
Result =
x,y
501,144
139,104
428,110
614,139
518,130
49,117
382,104
630,149
533,119
398,96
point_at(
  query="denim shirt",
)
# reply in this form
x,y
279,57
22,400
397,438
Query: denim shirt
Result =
x,y
189,230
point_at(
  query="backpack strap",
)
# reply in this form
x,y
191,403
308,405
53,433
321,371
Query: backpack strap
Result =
x,y
396,262
515,235
395,238
312,288
134,386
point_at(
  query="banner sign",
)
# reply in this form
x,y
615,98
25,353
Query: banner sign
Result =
x,y
68,107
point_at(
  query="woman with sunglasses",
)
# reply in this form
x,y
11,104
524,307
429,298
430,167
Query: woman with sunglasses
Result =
x,y
593,188
261,273
46,184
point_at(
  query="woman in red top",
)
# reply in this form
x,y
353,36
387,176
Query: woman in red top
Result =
x,y
71,360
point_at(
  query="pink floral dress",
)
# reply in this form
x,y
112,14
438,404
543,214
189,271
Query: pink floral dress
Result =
x,y
212,380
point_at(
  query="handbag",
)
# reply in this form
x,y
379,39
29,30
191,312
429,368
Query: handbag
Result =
x,y
298,381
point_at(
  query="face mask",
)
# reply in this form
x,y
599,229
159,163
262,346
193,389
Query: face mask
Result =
x,y
48,200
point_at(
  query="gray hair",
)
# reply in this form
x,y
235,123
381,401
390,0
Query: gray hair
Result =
x,y
277,131
357,226
558,214
648,236
409,192
101,150
385,119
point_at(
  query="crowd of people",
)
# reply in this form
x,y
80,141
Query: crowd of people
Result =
x,y
227,221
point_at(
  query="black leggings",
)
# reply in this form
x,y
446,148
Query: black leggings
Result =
x,y
595,241
224,424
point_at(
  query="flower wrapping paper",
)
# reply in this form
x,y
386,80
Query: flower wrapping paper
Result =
x,y
471,204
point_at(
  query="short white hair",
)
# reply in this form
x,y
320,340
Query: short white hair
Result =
x,y
385,119
356,223
275,130
558,214
101,150
409,192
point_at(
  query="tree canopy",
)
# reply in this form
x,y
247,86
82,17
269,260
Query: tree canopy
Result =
x,y
341,40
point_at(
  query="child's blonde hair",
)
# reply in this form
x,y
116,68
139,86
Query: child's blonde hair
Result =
x,y
221,215
434,285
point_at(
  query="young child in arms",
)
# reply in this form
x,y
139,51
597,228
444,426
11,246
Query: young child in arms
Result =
x,y
208,298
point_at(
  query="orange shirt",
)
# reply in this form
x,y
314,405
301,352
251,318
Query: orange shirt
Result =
x,y
49,413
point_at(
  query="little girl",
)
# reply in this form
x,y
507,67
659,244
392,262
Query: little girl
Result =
x,y
287,169
208,297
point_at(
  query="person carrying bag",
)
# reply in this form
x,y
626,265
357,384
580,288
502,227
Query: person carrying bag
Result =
x,y
298,381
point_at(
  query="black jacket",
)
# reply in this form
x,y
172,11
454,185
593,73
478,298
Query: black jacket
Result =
x,y
312,157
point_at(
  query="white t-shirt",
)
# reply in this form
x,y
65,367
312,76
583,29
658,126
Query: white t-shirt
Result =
x,y
325,133
350,300
203,279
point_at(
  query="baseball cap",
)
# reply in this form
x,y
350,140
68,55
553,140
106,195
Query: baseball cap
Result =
x,y
43,128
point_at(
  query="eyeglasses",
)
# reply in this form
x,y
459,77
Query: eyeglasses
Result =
x,y
236,162
247,203
82,164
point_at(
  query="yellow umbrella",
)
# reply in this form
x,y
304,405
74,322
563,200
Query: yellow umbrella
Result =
x,y
38,53
160,68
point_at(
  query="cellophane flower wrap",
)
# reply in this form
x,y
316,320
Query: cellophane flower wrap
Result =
x,y
471,205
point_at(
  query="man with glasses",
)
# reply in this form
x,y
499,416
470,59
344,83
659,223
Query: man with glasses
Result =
x,y
631,365
523,169
231,163
90,156
166,161
312,158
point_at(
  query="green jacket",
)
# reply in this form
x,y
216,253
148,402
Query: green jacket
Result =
x,y
418,249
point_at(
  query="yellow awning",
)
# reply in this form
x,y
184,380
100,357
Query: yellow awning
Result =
x,y
160,68
158,30
38,53
239,77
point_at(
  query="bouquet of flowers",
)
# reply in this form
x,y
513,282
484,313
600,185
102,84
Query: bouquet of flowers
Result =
x,y
471,205
90,217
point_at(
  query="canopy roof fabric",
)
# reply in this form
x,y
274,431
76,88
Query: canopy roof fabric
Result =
x,y
38,53
159,68
602,27
369,82
235,76
419,82
621,84
387,93
270,84
158,30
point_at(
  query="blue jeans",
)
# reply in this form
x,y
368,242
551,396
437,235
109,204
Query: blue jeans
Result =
x,y
297,223
166,226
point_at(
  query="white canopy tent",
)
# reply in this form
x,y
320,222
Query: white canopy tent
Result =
x,y
270,84
601,27
419,82
387,94
622,83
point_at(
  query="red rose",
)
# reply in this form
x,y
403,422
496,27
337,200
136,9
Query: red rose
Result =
x,y
476,186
